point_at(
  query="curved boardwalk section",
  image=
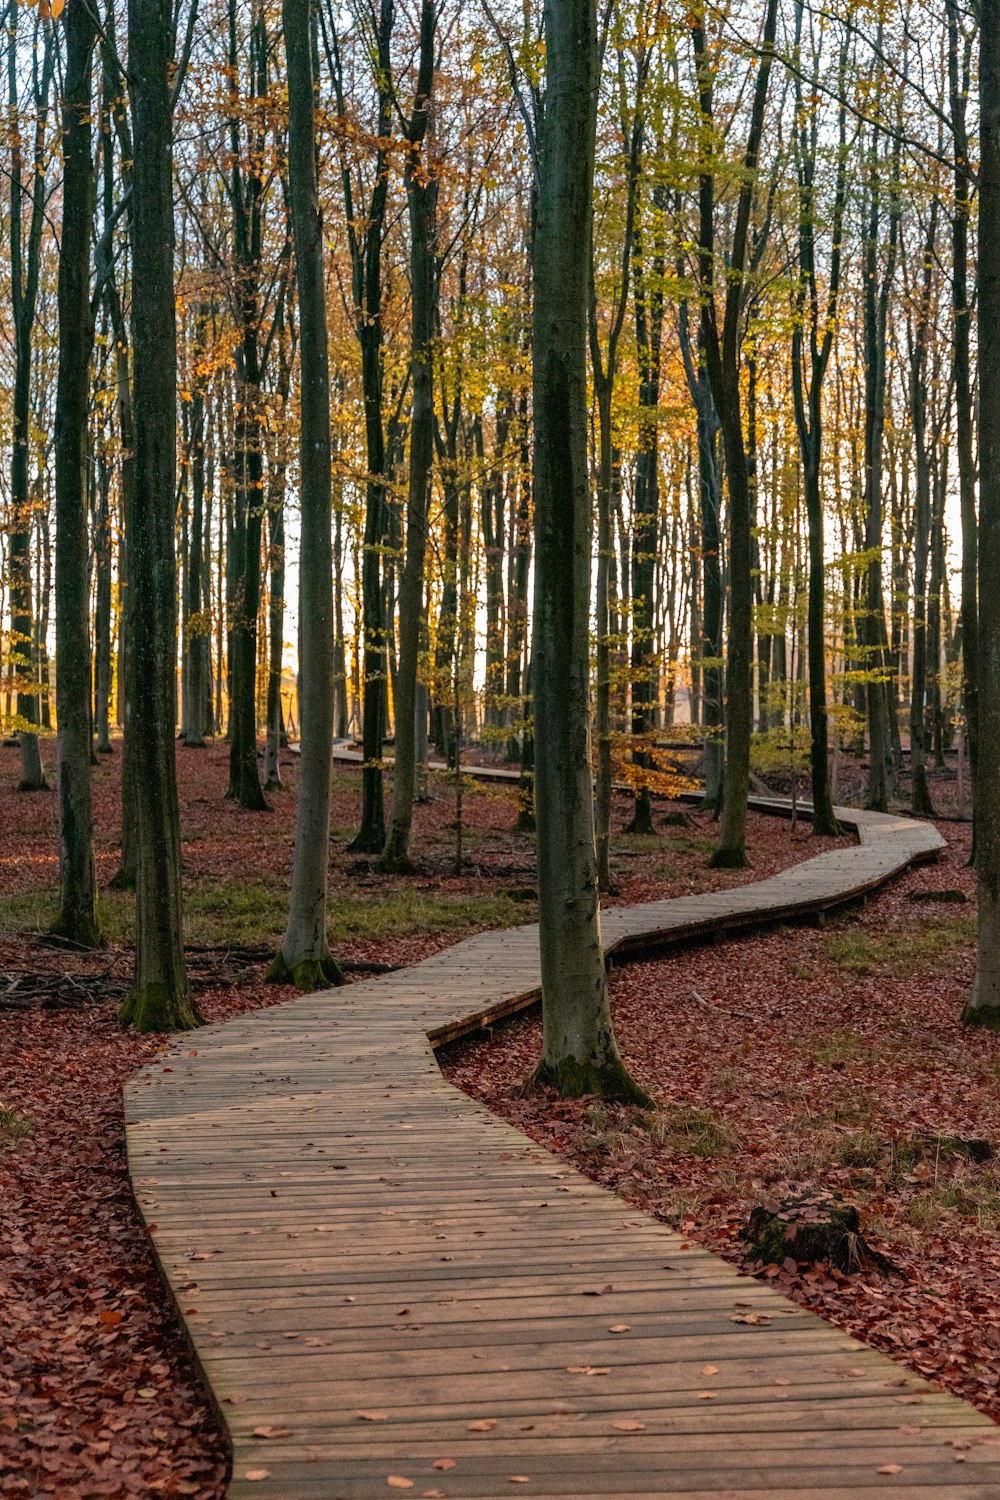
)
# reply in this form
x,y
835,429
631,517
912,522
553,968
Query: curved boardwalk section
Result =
x,y
389,1289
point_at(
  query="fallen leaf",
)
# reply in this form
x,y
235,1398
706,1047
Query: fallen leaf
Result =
x,y
710,1369
484,1424
254,1474
620,1328
629,1426
444,1463
890,1469
398,1482
373,1416
272,1432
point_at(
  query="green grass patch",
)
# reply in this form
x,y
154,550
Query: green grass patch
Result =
x,y
978,1201
14,1126
838,1049
901,951
252,912
695,1131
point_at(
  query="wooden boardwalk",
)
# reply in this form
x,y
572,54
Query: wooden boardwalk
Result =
x,y
390,1289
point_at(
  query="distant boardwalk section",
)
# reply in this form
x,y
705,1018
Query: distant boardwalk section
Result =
x,y
391,1290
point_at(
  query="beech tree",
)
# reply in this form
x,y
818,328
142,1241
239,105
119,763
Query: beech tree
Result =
x,y
579,1055
305,955
77,919
421,194
27,200
160,999
722,360
983,1008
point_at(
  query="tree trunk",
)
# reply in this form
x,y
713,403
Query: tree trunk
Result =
x,y
196,646
919,341
421,193
959,88
645,508
579,1051
77,916
160,999
24,267
722,358
102,600
305,955
983,1008
276,618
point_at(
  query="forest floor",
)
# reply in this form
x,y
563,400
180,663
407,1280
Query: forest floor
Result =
x,y
98,1395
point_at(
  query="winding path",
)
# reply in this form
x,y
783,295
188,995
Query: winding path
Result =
x,y
390,1289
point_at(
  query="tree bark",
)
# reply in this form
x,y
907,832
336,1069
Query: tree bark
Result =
x,y
77,916
24,268
305,955
421,194
959,88
579,1053
160,999
722,359
819,330
983,1008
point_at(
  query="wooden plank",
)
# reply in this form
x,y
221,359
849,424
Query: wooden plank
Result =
x,y
374,1239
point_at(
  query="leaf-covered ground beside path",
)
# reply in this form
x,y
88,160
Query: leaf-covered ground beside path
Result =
x,y
844,1062
98,1396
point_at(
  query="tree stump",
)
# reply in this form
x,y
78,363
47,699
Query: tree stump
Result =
x,y
820,1227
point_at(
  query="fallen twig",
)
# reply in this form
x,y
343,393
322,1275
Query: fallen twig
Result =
x,y
740,1015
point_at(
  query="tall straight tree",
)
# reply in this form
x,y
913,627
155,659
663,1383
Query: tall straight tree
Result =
x,y
160,999
604,370
877,295
365,218
813,332
77,917
421,194
246,192
983,1008
722,361
960,51
305,954
579,1052
25,259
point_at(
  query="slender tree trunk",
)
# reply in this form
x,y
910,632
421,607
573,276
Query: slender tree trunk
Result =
x,y
708,645
77,917
102,602
983,1008
959,87
646,507
920,797
197,619
305,955
24,267
276,620
160,999
421,192
579,1051
819,331
246,195
722,358
342,717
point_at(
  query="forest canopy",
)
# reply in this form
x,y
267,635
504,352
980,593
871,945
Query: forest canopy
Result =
x,y
272,302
